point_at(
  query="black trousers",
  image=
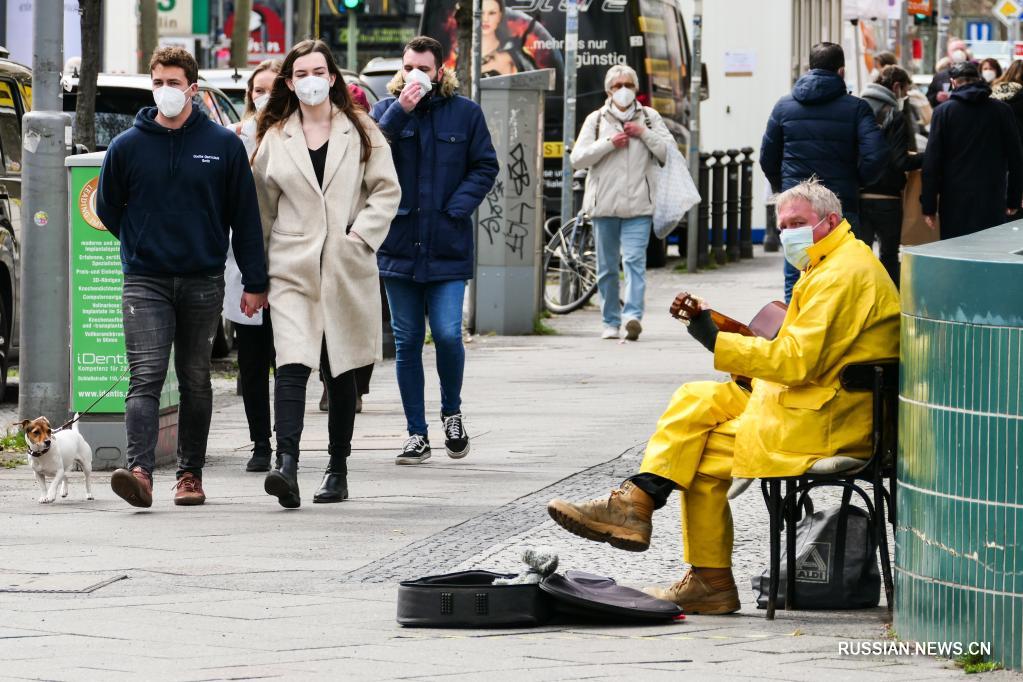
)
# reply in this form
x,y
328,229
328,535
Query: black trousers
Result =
x,y
657,487
882,219
256,357
289,406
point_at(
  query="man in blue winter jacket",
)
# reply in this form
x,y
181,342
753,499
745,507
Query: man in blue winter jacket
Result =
x,y
820,129
171,190
446,165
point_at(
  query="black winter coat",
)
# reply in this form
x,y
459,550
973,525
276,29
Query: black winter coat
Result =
x,y
973,166
1011,94
819,129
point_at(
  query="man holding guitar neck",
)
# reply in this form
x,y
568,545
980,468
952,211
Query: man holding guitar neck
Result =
x,y
844,309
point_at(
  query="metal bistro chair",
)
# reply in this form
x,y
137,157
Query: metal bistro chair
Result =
x,y
882,379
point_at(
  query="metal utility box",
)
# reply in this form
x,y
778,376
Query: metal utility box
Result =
x,y
509,235
98,356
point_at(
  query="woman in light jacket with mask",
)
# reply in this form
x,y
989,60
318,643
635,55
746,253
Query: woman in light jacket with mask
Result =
x,y
254,334
327,193
622,144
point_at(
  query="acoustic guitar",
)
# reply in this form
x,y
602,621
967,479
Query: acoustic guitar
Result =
x,y
766,324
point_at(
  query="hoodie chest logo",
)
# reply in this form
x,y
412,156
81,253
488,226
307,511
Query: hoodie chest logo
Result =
x,y
206,158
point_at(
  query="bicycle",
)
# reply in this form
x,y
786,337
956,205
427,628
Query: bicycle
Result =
x,y
569,265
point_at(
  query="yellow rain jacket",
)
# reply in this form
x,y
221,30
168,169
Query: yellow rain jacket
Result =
x,y
844,310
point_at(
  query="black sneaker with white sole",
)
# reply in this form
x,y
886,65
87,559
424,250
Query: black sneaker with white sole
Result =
x,y
416,450
456,440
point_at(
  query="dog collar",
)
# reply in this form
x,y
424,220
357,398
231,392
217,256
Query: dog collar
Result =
x,y
39,453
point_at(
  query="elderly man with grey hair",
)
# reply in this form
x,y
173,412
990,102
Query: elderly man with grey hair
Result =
x,y
792,413
622,144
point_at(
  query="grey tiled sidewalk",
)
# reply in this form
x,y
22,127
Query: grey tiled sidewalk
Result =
x,y
241,589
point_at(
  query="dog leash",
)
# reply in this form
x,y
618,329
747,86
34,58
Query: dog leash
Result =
x,y
70,422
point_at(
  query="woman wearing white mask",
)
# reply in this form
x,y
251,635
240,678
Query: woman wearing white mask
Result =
x,y
990,70
254,334
327,193
622,144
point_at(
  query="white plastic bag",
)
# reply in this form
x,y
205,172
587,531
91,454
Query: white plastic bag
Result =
x,y
676,193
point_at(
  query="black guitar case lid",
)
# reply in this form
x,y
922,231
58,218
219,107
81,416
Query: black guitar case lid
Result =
x,y
469,599
591,595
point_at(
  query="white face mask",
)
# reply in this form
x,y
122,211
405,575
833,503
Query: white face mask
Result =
x,y
795,241
169,101
260,102
417,76
624,97
988,75
958,57
312,90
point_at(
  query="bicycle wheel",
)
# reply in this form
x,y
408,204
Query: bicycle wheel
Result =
x,y
570,268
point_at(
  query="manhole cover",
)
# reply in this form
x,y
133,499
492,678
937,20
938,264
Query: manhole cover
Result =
x,y
69,583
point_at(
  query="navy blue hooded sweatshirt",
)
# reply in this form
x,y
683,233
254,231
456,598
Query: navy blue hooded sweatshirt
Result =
x,y
819,129
172,197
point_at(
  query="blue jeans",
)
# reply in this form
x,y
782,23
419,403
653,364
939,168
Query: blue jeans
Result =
x,y
160,312
792,274
410,302
628,237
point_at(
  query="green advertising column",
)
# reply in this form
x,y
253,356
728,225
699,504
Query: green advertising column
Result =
x,y
99,378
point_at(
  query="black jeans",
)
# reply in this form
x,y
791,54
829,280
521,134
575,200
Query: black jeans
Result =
x,y
289,406
882,219
160,312
256,357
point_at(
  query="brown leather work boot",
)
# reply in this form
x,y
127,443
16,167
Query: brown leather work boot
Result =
x,y
621,520
696,595
134,487
189,490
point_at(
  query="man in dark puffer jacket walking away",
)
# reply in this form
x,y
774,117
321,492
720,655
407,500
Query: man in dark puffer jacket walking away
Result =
x,y
819,129
973,167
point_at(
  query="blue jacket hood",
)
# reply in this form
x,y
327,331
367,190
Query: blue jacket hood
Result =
x,y
818,86
972,92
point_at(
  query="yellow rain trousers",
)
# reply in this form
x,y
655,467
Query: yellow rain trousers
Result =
x,y
844,310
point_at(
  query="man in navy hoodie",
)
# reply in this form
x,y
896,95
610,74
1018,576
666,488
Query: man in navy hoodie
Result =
x,y
171,190
820,129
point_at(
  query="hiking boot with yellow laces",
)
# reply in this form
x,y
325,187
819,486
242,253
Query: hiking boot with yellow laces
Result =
x,y
621,520
189,490
696,595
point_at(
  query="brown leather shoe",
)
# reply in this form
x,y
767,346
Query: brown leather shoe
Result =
x,y
622,520
134,487
189,490
695,595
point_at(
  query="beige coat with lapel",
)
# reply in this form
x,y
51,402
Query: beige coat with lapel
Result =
x,y
321,281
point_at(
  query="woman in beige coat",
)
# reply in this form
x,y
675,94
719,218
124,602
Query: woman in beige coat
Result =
x,y
327,194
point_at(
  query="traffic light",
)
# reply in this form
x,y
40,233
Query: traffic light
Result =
x,y
353,5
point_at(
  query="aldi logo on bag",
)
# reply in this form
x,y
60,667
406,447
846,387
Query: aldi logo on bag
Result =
x,y
814,565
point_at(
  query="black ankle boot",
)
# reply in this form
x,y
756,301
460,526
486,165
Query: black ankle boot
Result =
x,y
334,487
260,460
282,483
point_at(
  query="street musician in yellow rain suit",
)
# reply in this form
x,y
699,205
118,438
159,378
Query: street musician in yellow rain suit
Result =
x,y
844,309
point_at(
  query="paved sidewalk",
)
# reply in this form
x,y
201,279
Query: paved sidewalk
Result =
x,y
240,588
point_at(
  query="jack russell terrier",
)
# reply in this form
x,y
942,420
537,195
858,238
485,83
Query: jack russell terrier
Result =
x,y
55,454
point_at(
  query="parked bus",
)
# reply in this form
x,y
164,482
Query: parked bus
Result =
x,y
521,35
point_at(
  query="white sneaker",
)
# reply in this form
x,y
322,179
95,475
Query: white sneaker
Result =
x,y
611,333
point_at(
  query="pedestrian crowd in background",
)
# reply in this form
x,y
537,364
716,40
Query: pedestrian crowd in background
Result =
x,y
866,148
300,213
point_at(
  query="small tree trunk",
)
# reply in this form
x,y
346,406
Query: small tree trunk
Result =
x,y
240,34
85,107
304,21
148,39
463,70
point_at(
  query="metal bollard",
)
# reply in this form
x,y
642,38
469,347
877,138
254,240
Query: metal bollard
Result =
x,y
746,204
732,206
717,216
772,242
703,213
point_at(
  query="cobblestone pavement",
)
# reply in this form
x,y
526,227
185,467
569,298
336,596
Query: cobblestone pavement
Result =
x,y
241,589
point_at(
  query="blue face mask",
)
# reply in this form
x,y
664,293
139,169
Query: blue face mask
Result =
x,y
795,241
